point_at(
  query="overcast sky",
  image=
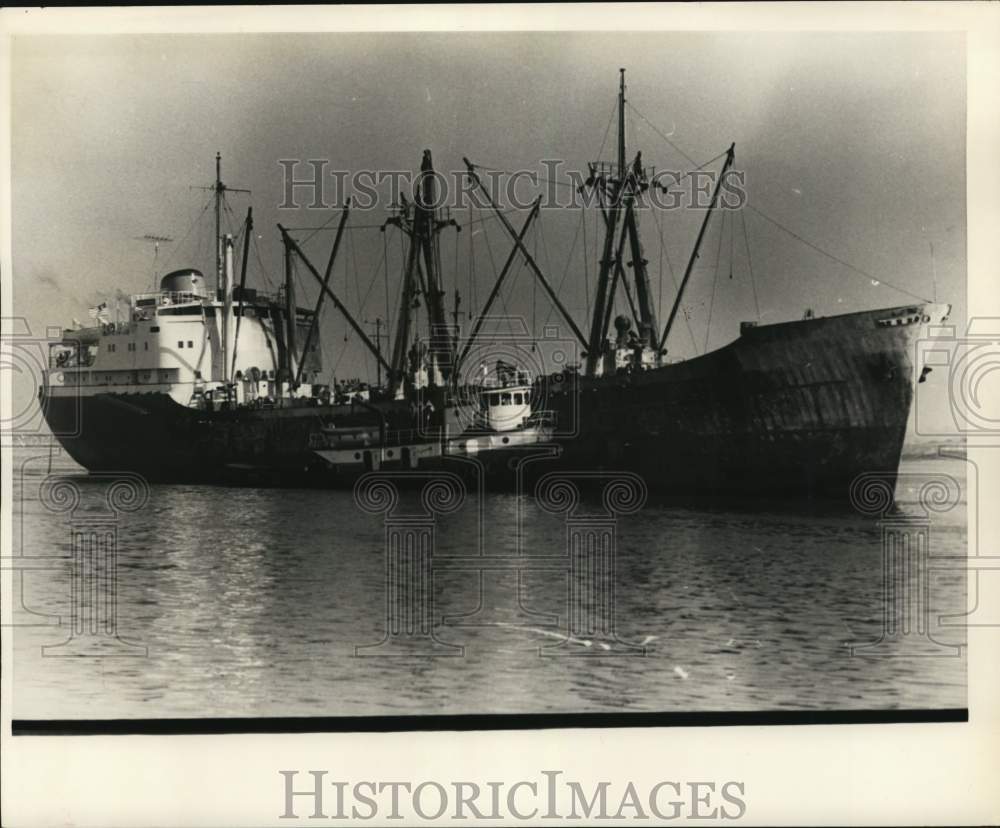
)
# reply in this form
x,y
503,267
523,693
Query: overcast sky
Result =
x,y
855,142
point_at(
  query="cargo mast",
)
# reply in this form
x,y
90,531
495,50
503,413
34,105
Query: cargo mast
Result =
x,y
421,222
220,189
618,188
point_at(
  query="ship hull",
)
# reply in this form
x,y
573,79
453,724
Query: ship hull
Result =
x,y
792,409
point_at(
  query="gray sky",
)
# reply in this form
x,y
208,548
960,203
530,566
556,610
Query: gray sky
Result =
x,y
854,141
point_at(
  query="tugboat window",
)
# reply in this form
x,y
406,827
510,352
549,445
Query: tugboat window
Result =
x,y
505,399
518,399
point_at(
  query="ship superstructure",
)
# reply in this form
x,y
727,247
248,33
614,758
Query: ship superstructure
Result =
x,y
205,346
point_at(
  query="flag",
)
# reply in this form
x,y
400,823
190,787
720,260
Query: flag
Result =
x,y
100,313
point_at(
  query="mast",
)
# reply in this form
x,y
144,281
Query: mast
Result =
x,y
455,315
401,340
618,274
420,222
730,155
247,230
621,126
219,190
426,227
604,298
648,326
378,348
289,310
227,304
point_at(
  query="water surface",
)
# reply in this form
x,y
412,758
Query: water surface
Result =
x,y
251,602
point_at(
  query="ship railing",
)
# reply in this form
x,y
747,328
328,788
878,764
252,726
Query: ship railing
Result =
x,y
372,437
511,380
167,298
116,328
544,417
403,436
164,298
66,359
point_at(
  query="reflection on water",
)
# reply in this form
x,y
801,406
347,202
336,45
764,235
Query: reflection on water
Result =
x,y
252,602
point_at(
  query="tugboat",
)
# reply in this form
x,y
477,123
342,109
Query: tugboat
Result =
x,y
222,384
502,422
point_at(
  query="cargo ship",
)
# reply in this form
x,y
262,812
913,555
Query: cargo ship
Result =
x,y
222,384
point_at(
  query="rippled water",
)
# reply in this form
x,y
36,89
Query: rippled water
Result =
x,y
252,601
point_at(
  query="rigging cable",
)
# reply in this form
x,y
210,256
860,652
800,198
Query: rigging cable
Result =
x,y
493,264
839,261
732,245
260,264
371,284
569,261
753,281
673,279
473,294
314,230
586,270
659,283
607,131
715,280
404,312
655,129
357,286
543,179
385,261
534,289
455,271
194,223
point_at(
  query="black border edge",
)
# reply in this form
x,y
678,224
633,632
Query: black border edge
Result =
x,y
491,721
